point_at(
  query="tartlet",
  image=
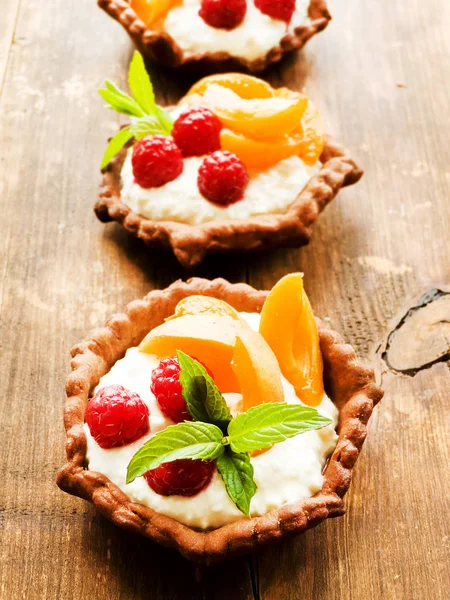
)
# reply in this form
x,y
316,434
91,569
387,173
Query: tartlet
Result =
x,y
287,168
349,385
158,45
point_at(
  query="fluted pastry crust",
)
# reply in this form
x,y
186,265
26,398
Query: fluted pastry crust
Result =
x,y
348,383
160,47
191,243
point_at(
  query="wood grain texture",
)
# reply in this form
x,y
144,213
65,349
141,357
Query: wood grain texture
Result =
x,y
380,75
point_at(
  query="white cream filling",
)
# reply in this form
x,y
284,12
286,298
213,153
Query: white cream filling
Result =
x,y
288,472
268,192
252,39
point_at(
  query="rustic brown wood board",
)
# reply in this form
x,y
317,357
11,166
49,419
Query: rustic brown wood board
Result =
x,y
380,75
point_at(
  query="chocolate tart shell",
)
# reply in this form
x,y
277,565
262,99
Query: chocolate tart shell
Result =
x,y
348,383
160,47
191,243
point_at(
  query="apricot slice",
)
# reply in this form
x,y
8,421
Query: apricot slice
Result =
x,y
251,106
288,326
260,118
238,357
149,11
257,370
207,337
313,135
260,154
197,305
245,86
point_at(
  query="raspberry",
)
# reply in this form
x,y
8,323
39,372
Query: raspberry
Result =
x,y
167,389
222,178
116,417
277,9
223,14
197,131
182,477
156,160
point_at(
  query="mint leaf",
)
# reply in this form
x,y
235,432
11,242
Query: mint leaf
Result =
x,y
237,473
148,125
185,440
119,101
115,145
203,398
266,424
147,118
165,119
140,84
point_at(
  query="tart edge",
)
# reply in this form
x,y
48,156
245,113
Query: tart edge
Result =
x,y
160,47
350,384
191,243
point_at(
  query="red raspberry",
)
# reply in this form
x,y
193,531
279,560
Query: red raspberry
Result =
x,y
222,178
116,417
167,389
183,477
223,14
277,9
156,160
197,131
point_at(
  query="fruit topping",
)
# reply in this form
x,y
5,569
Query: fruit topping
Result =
x,y
208,337
257,370
262,125
260,154
167,390
255,115
156,160
288,326
197,131
312,135
150,11
277,9
222,178
116,417
253,362
223,14
245,86
181,477
196,305
239,357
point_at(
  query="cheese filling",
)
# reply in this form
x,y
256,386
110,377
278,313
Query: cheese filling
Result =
x,y
252,39
268,192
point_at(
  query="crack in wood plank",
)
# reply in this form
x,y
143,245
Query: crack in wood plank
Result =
x,y
421,338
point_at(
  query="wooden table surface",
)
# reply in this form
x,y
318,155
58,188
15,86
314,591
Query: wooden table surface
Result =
x,y
380,74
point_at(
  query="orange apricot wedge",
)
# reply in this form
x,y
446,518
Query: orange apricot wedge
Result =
x,y
251,106
261,118
257,370
245,86
313,135
208,338
198,305
260,154
149,11
288,326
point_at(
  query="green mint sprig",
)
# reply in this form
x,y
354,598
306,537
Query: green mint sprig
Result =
x,y
214,434
146,117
